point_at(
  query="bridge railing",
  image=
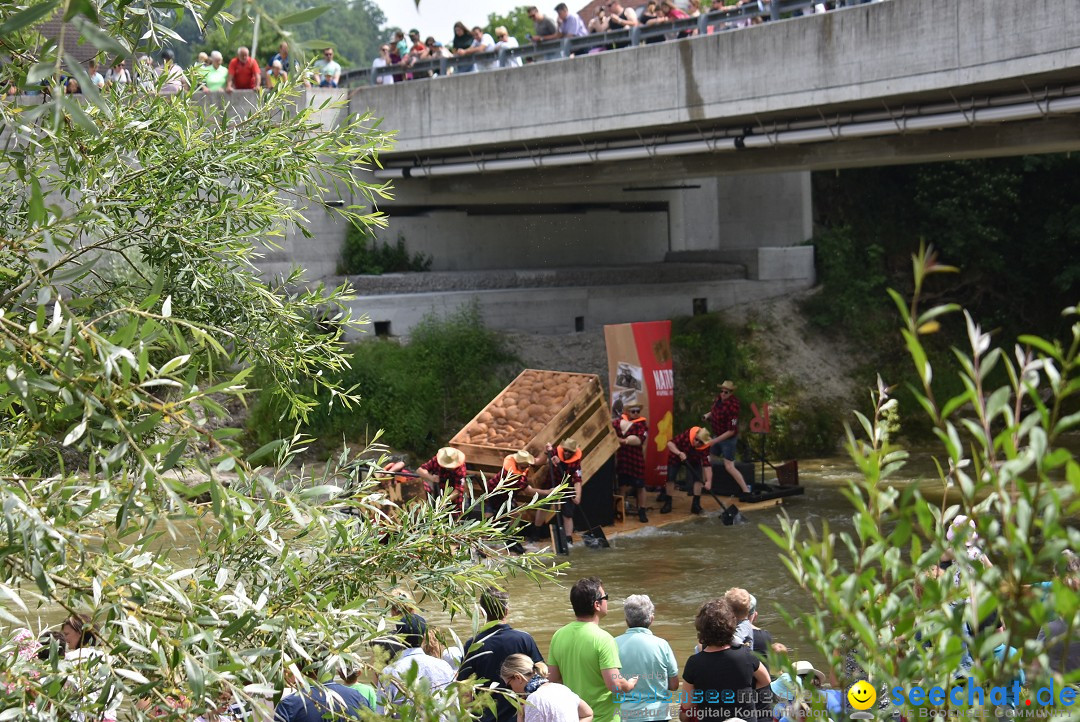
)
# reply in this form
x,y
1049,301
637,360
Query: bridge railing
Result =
x,y
706,23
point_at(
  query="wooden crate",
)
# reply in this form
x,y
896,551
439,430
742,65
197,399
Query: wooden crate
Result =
x,y
583,415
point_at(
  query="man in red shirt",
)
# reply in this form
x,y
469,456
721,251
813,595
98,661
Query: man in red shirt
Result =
x,y
632,430
691,448
445,473
724,419
243,72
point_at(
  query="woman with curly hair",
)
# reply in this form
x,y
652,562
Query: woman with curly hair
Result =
x,y
720,681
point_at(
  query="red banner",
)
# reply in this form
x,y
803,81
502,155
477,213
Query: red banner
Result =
x,y
639,367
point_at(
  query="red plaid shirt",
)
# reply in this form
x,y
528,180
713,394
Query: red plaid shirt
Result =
x,y
564,468
630,460
695,457
725,415
454,477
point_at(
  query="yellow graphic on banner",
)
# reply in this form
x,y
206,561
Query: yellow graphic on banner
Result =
x,y
663,432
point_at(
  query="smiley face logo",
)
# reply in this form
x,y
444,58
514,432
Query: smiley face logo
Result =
x,y
862,695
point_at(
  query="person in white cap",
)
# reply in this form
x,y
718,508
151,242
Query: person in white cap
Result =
x,y
445,473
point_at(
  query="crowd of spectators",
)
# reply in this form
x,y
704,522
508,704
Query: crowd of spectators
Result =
x,y
209,73
402,55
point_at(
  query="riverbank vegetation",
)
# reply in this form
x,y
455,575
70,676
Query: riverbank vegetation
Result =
x,y
929,593
1011,226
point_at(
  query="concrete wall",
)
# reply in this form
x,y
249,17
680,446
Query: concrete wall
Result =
x,y
554,310
858,56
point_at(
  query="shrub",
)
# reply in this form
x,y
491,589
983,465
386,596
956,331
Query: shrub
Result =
x,y
364,255
419,393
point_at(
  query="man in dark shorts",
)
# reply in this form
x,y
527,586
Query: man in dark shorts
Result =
x,y
724,420
632,430
689,449
566,463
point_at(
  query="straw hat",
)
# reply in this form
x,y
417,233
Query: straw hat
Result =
x,y
632,403
703,436
569,444
449,457
803,668
524,458
728,384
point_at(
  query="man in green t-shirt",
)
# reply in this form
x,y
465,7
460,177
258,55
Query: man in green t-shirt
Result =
x,y
584,657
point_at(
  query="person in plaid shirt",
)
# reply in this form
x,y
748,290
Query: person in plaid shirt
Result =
x,y
632,430
446,467
566,460
691,448
724,420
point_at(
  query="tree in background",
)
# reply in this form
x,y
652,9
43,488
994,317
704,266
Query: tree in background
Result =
x,y
131,314
517,23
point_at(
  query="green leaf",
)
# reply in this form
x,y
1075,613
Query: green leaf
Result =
x,y
27,17
35,211
101,39
38,72
81,7
303,16
212,11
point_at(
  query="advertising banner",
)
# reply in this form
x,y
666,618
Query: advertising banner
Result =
x,y
639,367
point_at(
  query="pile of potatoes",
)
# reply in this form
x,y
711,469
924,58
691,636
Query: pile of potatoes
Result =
x,y
523,409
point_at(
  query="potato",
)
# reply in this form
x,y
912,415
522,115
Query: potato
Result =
x,y
484,417
498,413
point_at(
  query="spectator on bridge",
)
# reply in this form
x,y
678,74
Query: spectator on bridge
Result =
x,y
276,76
95,76
175,80
401,44
649,17
327,70
543,27
505,41
383,61
482,43
462,41
118,74
570,24
672,13
620,18
243,72
216,76
436,49
287,63
146,74
599,22
694,8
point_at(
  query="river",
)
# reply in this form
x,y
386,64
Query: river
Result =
x,y
683,565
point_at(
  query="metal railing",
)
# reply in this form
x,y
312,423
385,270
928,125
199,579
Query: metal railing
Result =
x,y
706,23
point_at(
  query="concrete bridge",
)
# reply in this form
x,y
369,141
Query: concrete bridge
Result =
x,y
696,151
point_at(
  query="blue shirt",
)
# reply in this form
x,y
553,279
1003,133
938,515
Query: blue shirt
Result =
x,y
494,643
652,661
313,706
573,26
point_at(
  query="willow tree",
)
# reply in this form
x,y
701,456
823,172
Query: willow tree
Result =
x,y
131,316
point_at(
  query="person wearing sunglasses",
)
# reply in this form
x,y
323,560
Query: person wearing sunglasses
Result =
x,y
383,61
327,70
545,701
584,657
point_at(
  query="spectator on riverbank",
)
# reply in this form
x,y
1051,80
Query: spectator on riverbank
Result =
x,y
570,24
95,76
585,657
741,602
413,632
322,699
723,676
650,659
494,642
244,72
547,701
